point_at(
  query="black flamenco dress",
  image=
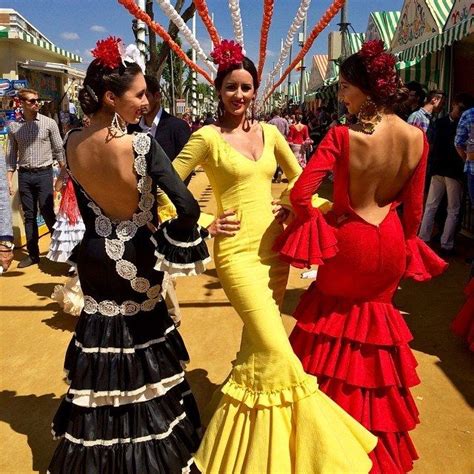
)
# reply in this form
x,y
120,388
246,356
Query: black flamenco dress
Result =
x,y
129,408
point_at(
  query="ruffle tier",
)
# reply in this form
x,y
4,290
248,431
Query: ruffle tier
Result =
x,y
69,296
422,263
296,429
307,241
359,352
181,256
463,324
64,239
109,374
159,435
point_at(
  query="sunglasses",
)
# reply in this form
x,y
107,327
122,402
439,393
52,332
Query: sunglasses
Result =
x,y
32,101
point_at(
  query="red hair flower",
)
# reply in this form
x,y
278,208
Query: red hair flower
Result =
x,y
380,67
108,52
372,48
227,54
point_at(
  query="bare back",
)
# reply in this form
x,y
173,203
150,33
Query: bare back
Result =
x,y
104,169
380,165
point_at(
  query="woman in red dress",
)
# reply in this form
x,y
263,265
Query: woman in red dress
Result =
x,y
463,324
298,138
348,333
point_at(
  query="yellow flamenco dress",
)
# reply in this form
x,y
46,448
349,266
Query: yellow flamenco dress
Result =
x,y
270,415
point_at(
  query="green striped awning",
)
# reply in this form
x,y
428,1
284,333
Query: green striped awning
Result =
x,y
438,42
440,10
42,44
386,24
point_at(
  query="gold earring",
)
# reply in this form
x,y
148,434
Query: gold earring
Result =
x,y
369,116
118,126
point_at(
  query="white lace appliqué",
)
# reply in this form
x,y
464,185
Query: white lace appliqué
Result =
x,y
125,231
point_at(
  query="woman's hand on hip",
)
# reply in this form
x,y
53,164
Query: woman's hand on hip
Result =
x,y
280,213
226,224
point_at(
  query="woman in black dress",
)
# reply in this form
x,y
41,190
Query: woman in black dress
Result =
x,y
128,408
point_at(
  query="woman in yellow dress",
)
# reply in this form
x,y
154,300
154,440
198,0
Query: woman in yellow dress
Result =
x,y
270,415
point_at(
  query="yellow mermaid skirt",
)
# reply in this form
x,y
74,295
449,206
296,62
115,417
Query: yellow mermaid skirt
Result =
x,y
270,416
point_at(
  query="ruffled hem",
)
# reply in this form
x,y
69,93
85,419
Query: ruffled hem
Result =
x,y
266,432
109,425
369,322
159,435
260,399
99,372
181,257
422,263
389,409
60,256
394,454
307,242
356,364
69,296
463,324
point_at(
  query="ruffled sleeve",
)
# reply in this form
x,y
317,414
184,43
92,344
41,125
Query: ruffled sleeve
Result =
x,y
180,246
422,262
180,256
309,239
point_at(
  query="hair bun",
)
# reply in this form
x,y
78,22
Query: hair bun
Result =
x,y
89,103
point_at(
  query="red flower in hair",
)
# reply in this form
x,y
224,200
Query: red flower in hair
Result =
x,y
381,68
227,54
372,48
107,52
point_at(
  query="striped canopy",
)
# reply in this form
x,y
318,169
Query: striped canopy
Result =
x,y
382,25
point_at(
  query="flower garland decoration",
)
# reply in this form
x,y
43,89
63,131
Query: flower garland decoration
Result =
x,y
266,22
285,50
227,54
203,11
107,52
320,26
138,13
176,18
234,8
381,68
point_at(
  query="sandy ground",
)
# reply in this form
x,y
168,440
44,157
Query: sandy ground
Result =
x,y
34,335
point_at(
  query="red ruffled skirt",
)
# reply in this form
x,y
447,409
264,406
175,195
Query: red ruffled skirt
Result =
x,y
360,354
349,334
463,324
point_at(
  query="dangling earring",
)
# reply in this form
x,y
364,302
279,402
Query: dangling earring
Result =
x,y
369,116
220,109
252,114
118,126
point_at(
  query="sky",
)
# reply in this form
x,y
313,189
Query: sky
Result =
x,y
76,25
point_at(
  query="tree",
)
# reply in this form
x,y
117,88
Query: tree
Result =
x,y
159,55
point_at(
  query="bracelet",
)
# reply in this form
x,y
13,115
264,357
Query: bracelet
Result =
x,y
6,250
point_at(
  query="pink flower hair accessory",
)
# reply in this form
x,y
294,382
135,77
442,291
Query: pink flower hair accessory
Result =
x,y
227,53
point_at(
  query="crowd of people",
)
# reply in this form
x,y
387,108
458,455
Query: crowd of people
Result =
x,y
335,396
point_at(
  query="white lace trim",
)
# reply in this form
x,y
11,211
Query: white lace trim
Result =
x,y
89,398
180,269
123,350
140,285
111,308
177,243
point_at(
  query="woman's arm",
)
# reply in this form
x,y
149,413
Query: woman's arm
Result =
x,y
162,171
194,153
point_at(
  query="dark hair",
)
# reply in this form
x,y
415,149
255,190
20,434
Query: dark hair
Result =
x,y
464,100
354,71
100,79
246,64
433,93
152,84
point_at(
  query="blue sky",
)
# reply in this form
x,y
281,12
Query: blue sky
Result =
x,y
76,25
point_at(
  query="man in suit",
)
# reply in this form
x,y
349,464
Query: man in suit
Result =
x,y
172,134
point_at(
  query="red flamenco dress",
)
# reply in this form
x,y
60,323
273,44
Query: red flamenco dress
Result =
x,y
463,324
348,333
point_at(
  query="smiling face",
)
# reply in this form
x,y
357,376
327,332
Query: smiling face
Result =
x,y
351,96
132,102
237,91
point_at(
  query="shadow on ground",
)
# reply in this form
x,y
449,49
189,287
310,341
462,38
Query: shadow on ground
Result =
x,y
431,306
31,415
